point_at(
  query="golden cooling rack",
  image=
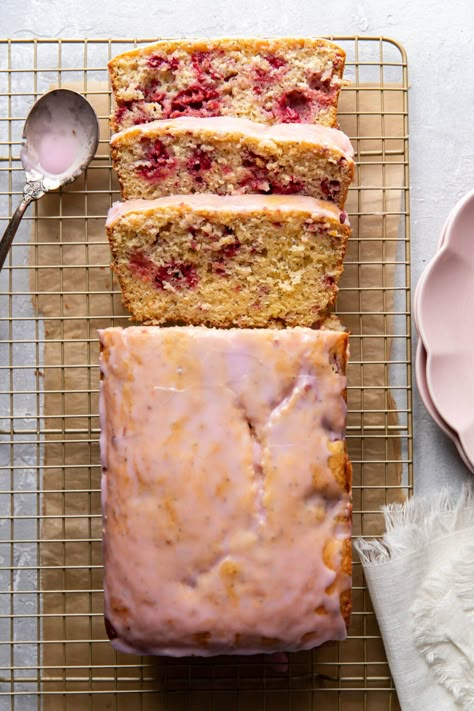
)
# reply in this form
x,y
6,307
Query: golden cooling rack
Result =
x,y
55,291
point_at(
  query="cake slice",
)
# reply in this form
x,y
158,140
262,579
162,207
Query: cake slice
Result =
x,y
281,80
225,489
245,260
227,155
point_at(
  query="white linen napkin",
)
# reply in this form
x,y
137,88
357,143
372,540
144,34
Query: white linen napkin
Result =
x,y
420,577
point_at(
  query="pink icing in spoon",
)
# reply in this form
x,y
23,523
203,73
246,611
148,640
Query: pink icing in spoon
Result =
x,y
57,151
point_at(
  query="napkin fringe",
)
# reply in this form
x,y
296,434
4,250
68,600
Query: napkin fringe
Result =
x,y
443,620
416,523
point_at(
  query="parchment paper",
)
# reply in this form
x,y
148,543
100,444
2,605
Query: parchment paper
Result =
x,y
70,246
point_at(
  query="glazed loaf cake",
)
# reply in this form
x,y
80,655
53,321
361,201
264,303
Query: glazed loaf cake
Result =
x,y
225,489
226,155
246,260
282,80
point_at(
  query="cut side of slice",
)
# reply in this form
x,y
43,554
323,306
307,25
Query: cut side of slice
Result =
x,y
286,80
226,155
247,260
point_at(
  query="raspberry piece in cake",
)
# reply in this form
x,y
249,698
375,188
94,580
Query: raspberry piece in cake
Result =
x,y
226,489
156,163
294,107
194,101
226,155
173,275
266,80
184,258
198,161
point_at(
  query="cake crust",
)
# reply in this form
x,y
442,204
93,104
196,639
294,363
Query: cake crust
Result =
x,y
225,489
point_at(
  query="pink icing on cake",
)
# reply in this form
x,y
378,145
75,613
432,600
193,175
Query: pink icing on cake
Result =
x,y
222,125
206,201
225,489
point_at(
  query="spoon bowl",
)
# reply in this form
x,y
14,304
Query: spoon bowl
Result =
x,y
60,138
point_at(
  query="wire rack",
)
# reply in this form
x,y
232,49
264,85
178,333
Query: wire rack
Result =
x,y
55,291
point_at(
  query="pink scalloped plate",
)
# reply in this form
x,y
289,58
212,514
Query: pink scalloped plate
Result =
x,y
420,356
445,319
421,280
420,372
420,365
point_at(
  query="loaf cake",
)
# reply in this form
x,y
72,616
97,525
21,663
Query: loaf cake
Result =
x,y
226,155
225,489
243,260
281,80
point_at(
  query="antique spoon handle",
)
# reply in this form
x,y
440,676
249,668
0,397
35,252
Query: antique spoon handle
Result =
x,y
12,227
32,191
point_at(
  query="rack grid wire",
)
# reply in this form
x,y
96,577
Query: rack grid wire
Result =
x,y
56,289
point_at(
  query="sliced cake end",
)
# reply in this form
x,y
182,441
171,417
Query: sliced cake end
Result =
x,y
281,80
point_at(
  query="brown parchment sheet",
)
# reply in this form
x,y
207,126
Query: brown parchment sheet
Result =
x,y
77,295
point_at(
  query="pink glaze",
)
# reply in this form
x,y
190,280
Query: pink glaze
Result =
x,y
237,203
57,152
224,524
315,134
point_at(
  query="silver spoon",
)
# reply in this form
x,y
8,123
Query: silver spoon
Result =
x,y
60,138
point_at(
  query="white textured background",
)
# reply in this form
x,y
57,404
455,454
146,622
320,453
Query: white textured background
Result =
x,y
438,37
